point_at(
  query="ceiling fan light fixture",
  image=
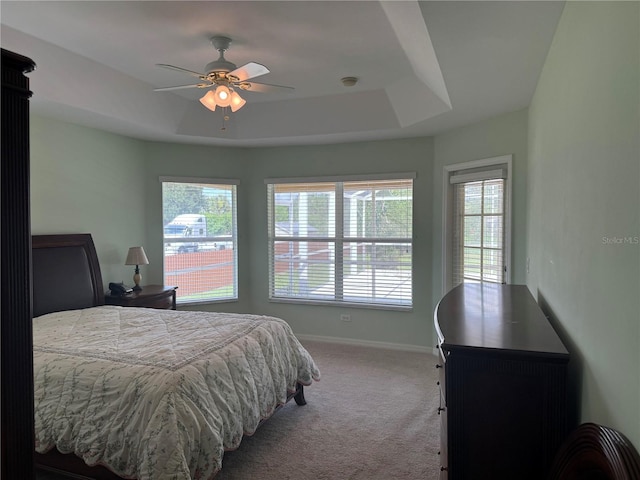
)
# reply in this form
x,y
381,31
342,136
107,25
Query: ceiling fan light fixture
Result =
x,y
223,96
209,101
237,102
223,78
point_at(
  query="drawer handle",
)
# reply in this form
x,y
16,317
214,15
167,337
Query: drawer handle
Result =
x,y
438,365
438,383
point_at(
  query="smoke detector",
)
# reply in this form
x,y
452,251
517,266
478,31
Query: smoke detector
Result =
x,y
349,81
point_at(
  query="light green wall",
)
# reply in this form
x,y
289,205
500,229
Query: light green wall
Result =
x,y
173,160
502,135
88,181
583,194
108,185
252,166
388,326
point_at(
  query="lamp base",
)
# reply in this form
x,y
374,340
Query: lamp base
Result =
x,y
136,279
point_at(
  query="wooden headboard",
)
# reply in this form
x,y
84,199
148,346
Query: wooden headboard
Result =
x,y
66,273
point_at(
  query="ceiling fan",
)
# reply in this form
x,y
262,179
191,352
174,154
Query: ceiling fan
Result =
x,y
224,79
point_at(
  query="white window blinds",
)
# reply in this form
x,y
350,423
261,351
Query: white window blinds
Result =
x,y
199,237
478,249
346,241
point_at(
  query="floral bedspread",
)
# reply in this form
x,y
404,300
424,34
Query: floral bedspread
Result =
x,y
159,394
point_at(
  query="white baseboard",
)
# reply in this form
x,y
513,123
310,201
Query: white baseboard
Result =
x,y
368,343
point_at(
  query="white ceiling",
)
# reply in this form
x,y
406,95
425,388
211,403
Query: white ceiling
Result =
x,y
423,67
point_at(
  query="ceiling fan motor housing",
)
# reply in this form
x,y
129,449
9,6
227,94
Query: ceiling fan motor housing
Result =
x,y
221,44
220,65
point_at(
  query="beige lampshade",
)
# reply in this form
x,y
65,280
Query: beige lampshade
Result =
x,y
237,102
209,100
136,256
223,96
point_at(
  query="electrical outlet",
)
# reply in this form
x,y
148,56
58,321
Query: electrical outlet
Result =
x,y
345,317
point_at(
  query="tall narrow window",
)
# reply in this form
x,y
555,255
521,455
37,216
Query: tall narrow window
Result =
x,y
199,236
478,237
476,240
342,241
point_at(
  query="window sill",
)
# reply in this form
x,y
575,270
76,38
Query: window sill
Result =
x,y
398,308
205,302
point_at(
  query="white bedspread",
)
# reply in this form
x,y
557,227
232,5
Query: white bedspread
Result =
x,y
159,394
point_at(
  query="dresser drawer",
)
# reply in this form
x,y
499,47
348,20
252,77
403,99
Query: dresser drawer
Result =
x,y
444,458
441,366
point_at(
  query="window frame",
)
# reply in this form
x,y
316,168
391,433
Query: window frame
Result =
x,y
470,168
233,183
339,239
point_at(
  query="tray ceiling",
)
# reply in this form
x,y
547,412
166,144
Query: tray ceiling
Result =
x,y
422,67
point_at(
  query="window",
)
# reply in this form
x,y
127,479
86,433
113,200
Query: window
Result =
x,y
476,238
200,254
346,240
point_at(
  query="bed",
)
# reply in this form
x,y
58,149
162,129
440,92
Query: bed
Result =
x,y
125,392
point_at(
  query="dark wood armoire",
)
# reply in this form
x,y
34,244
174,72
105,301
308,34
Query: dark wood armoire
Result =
x,y
15,303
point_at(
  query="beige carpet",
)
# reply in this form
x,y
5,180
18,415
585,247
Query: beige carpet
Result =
x,y
372,416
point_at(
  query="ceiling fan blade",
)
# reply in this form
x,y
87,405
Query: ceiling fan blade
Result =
x,y
180,69
265,88
180,87
249,70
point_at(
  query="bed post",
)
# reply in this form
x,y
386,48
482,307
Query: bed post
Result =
x,y
299,396
16,333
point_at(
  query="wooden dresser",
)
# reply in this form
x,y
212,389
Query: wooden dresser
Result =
x,y
503,384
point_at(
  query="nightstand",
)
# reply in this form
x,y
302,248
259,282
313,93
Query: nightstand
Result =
x,y
151,296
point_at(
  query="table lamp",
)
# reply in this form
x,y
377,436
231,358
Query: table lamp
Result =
x,y
136,256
